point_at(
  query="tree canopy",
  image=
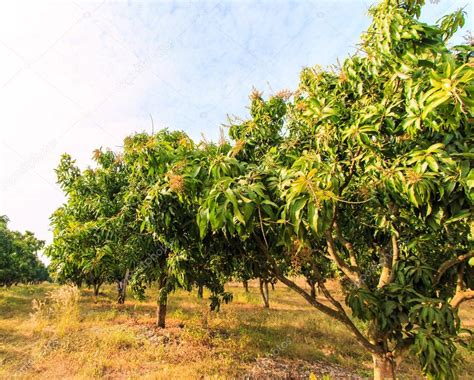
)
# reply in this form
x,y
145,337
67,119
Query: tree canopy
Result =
x,y
363,174
368,165
19,262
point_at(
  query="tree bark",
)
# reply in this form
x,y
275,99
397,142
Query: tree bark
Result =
x,y
161,313
96,289
162,304
389,259
384,368
313,290
246,286
312,286
200,292
122,288
120,295
264,292
461,297
351,272
448,264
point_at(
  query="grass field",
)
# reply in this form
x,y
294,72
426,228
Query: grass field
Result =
x,y
73,335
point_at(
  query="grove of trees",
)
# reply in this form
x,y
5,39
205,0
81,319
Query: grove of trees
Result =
x,y
19,263
363,174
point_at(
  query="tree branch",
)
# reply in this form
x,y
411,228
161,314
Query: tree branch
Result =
x,y
395,257
460,297
323,288
351,272
343,318
340,315
449,263
460,277
348,245
329,296
351,172
395,250
389,260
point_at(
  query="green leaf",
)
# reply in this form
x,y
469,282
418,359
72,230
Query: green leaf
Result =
x,y
432,163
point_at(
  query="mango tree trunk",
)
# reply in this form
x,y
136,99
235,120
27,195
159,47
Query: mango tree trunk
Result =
x,y
162,303
200,291
313,290
384,368
161,314
264,293
122,288
96,289
246,286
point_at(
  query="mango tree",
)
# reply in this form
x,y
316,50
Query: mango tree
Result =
x,y
19,262
166,173
371,169
238,193
87,228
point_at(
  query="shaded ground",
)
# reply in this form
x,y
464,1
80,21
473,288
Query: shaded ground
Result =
x,y
96,338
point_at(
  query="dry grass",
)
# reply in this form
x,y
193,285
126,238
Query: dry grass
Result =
x,y
67,334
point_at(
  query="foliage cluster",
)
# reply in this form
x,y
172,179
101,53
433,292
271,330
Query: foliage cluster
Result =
x,y
19,262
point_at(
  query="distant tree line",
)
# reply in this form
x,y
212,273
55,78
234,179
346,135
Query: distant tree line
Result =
x,y
19,262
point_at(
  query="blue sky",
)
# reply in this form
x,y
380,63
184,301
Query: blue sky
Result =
x,y
78,75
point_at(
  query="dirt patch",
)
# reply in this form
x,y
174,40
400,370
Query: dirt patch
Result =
x,y
269,368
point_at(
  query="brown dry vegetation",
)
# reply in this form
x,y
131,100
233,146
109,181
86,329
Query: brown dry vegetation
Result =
x,y
96,338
